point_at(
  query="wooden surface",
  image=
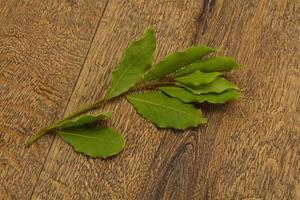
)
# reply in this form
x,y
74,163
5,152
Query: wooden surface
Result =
x,y
58,55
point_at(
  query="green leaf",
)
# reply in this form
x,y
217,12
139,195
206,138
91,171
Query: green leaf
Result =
x,y
223,97
94,141
188,97
166,112
83,119
213,64
176,61
198,78
182,94
217,86
137,59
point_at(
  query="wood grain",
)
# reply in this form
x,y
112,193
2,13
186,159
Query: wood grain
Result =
x,y
248,150
68,175
43,45
255,152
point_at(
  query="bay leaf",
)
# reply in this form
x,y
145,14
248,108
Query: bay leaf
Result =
x,y
138,57
198,78
94,141
214,64
188,97
182,94
223,97
217,86
166,112
83,119
176,61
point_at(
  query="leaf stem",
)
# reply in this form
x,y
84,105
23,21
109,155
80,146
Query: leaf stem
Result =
x,y
53,126
152,85
94,105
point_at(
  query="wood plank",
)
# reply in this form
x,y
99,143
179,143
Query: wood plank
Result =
x,y
43,45
248,150
255,152
69,175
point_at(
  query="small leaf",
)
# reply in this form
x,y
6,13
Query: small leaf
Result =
x,y
137,59
182,94
83,119
166,112
214,64
94,141
176,61
223,97
198,78
217,86
188,97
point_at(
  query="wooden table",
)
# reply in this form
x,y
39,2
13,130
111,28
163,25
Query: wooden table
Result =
x,y
58,55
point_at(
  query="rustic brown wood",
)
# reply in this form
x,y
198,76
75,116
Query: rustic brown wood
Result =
x,y
255,151
68,175
248,150
43,45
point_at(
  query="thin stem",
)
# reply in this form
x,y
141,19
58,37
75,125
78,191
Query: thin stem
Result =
x,y
40,133
94,105
151,85
53,126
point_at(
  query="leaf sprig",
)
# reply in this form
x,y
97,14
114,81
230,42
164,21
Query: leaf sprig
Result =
x,y
163,94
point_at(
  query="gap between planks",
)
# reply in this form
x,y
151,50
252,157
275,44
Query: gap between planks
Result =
x,y
64,112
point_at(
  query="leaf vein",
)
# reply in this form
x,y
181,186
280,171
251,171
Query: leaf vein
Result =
x,y
149,102
89,137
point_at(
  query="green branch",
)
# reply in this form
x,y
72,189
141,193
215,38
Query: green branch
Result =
x,y
53,126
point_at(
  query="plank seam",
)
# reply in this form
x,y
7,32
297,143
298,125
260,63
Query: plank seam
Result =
x,y
73,89
207,7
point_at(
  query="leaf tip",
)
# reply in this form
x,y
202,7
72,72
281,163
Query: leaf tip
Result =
x,y
240,66
150,29
150,32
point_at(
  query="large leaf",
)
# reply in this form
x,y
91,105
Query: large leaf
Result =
x,y
188,97
166,112
176,61
214,64
83,119
217,86
198,78
94,141
137,59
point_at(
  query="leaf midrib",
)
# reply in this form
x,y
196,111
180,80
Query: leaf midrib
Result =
x,y
84,136
124,72
149,102
204,77
162,63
